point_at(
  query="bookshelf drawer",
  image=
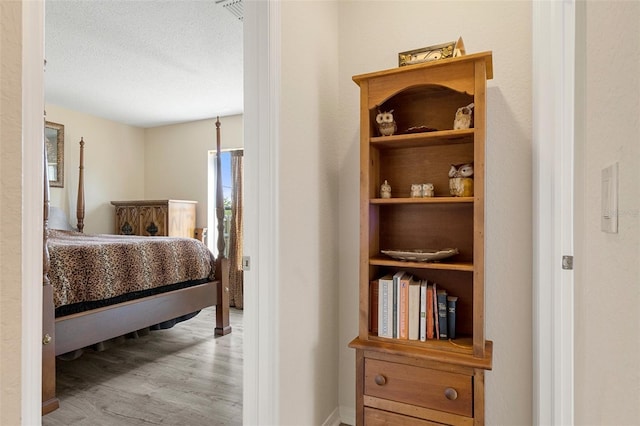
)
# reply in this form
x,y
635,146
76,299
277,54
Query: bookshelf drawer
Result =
x,y
424,387
373,417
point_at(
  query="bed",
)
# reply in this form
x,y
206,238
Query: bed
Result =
x,y
90,299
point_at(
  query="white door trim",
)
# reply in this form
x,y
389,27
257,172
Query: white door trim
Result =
x,y
261,140
32,187
553,136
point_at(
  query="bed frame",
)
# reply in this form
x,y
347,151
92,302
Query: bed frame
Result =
x,y
68,333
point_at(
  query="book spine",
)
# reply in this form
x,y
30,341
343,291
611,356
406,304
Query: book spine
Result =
x,y
396,292
390,314
403,317
451,316
374,299
442,314
423,311
383,306
436,325
414,309
430,319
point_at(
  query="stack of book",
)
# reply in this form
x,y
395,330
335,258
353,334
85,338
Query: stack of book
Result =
x,y
403,307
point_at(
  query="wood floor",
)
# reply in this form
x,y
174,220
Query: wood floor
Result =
x,y
180,376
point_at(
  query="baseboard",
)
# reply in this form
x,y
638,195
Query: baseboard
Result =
x,y
348,415
333,419
341,416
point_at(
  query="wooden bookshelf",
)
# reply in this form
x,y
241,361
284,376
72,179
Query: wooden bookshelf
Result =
x,y
450,372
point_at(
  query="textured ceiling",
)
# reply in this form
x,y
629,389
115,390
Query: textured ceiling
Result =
x,y
144,63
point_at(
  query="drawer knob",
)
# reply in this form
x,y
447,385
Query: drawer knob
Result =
x,y
380,380
46,339
451,394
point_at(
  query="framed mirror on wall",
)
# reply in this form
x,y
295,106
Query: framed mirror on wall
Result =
x,y
54,135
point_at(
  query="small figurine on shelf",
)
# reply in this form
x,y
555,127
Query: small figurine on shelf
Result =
x,y
461,170
416,190
386,123
461,180
427,190
385,190
464,117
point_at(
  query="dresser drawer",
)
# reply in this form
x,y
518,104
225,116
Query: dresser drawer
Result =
x,y
424,387
373,417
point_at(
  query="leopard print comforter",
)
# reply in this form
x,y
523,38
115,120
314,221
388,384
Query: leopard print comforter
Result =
x,y
88,268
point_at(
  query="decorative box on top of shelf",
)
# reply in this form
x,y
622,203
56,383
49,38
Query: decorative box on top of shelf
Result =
x,y
405,381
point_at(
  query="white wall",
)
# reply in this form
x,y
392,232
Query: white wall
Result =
x,y
371,35
123,162
114,166
308,213
607,290
10,211
176,161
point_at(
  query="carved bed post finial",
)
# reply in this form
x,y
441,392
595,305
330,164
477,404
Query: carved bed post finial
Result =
x,y
80,202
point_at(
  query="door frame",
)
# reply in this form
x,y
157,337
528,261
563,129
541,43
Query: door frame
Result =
x,y
261,139
261,42
553,151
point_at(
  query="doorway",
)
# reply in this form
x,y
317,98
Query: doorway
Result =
x,y
260,27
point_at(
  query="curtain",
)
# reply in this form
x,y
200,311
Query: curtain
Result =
x,y
235,232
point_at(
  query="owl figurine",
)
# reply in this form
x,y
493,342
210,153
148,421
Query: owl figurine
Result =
x,y
386,123
464,170
461,180
385,190
416,190
464,117
427,189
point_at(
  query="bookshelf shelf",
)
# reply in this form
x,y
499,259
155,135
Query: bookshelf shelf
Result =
x,y
434,350
448,266
412,140
422,96
463,345
426,200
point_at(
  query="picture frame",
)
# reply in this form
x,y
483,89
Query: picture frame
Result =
x,y
436,52
54,138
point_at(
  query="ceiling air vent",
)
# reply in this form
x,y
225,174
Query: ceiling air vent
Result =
x,y
233,6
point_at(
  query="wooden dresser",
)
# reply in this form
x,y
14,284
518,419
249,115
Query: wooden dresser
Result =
x,y
169,218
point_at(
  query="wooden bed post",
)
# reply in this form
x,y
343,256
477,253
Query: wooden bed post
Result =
x,y
222,263
49,400
80,202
